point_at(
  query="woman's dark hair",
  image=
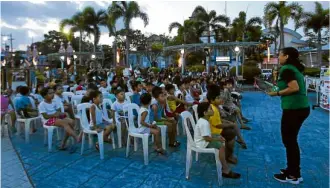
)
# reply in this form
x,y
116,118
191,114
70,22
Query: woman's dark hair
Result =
x,y
93,94
168,87
24,90
44,91
293,58
202,108
145,98
156,91
37,88
212,92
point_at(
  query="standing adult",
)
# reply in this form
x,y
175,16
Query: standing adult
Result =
x,y
294,103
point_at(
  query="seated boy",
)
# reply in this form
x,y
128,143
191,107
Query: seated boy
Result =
x,y
204,139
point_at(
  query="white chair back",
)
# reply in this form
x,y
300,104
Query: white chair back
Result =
x,y
76,99
130,108
73,89
128,96
185,116
81,108
81,92
104,107
33,103
67,95
65,87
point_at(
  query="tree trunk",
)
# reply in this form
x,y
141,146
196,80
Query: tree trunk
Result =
x,y
95,41
281,34
319,48
114,47
80,41
209,36
127,50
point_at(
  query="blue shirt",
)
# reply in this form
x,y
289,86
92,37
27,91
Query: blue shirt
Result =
x,y
22,102
136,98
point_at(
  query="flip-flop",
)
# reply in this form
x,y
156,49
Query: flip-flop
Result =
x,y
246,128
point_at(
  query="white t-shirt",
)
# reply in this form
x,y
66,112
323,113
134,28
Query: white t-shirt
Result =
x,y
102,89
202,129
189,98
118,107
58,100
147,120
48,108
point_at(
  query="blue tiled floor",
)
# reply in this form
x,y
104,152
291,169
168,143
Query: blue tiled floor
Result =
x,y
264,157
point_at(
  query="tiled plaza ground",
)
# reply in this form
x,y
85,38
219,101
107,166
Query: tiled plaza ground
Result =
x,y
264,157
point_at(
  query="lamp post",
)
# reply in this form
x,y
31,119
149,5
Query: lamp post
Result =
x,y
182,61
74,65
237,52
207,53
268,54
62,51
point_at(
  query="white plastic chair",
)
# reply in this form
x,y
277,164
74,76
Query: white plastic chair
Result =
x,y
26,121
128,96
73,89
86,130
106,117
75,101
65,87
67,95
81,92
191,146
132,132
194,107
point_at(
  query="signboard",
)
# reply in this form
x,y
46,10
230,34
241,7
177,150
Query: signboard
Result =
x,y
272,61
222,59
325,93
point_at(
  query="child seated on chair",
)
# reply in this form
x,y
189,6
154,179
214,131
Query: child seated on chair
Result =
x,y
136,87
23,105
59,100
204,139
157,114
51,112
144,123
97,122
118,112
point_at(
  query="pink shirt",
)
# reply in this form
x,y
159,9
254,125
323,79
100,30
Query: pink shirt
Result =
x,y
4,104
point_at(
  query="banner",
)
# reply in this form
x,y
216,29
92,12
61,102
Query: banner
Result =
x,y
325,92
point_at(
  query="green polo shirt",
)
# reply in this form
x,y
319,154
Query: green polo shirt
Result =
x,y
297,100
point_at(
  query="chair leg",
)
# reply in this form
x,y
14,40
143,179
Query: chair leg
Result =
x,y
18,127
119,134
50,139
27,130
90,141
82,144
128,145
219,167
188,162
45,136
58,134
196,156
101,145
163,132
113,141
135,144
145,149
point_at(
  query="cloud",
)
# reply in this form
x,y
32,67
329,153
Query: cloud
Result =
x,y
4,24
38,2
22,47
42,25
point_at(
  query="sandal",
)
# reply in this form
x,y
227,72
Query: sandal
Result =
x,y
246,127
160,151
243,144
175,144
232,175
97,147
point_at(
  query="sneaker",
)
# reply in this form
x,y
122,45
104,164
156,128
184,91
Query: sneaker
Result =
x,y
284,171
286,179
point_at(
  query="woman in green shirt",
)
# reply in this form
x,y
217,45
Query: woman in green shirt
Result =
x,y
294,103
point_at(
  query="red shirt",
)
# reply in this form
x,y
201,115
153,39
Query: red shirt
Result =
x,y
79,88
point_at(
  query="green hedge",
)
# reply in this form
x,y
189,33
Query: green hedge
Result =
x,y
249,72
313,72
196,68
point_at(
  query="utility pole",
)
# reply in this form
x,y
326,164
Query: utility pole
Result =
x,y
10,39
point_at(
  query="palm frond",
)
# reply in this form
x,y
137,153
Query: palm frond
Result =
x,y
271,6
254,21
222,19
174,25
199,9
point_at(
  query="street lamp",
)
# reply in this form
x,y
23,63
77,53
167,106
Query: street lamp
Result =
x,y
182,61
39,53
13,55
207,53
237,52
93,56
268,54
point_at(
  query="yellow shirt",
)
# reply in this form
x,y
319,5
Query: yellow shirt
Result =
x,y
171,105
215,120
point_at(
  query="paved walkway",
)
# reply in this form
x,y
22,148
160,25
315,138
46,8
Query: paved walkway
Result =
x,y
264,157
12,172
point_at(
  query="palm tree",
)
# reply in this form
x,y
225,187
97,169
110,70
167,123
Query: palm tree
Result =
x,y
127,11
188,30
241,26
77,23
281,13
94,19
209,20
316,22
273,32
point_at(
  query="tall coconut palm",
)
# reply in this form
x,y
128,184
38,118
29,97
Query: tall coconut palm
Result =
x,y
209,20
188,30
273,32
280,13
77,23
242,26
316,21
94,19
127,11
